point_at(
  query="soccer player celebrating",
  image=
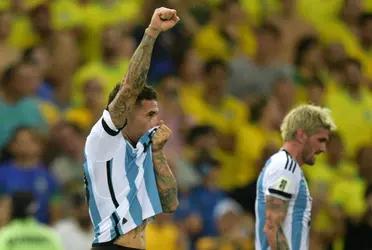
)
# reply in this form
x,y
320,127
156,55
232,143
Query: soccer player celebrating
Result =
x,y
127,176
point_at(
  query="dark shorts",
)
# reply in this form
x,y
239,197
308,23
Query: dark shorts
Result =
x,y
113,247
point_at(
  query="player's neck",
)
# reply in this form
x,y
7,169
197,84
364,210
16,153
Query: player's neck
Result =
x,y
294,149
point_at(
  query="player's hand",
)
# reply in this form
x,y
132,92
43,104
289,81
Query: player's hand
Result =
x,y
163,19
160,137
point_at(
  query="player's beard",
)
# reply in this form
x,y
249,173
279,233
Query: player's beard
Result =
x,y
308,156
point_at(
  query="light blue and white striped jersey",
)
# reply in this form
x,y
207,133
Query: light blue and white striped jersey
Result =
x,y
283,178
120,181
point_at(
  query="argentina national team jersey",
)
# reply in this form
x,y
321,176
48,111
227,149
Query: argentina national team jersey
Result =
x,y
283,178
120,181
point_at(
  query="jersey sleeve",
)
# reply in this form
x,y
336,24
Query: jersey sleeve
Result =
x,y
282,180
103,140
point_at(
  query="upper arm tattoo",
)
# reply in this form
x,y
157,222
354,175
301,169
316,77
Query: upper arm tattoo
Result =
x,y
276,211
133,81
276,205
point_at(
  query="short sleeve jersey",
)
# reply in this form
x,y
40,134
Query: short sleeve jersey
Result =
x,y
283,178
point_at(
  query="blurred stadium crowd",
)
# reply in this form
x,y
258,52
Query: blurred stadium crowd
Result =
x,y
225,75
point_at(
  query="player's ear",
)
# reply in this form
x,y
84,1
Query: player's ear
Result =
x,y
301,136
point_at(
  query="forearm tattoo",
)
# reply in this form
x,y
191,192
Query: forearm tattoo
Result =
x,y
133,81
281,240
166,182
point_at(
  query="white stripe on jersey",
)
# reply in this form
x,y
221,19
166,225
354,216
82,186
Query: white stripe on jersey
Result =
x,y
281,166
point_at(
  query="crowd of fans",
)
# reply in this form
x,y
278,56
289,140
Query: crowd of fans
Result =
x,y
226,75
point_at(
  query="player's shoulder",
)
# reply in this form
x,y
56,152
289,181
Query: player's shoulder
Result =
x,y
283,161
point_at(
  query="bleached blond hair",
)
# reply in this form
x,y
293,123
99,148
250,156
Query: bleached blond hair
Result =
x,y
308,117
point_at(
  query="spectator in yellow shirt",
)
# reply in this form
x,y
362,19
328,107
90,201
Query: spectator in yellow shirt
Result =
x,y
110,68
352,108
337,190
222,111
292,26
263,130
214,106
163,233
226,34
365,40
86,114
8,53
190,71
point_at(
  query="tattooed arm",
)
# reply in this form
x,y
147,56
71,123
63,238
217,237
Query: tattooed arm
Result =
x,y
276,211
165,180
133,82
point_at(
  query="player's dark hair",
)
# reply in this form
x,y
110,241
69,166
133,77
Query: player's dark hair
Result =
x,y
147,93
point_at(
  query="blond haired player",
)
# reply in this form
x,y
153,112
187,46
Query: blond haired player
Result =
x,y
283,202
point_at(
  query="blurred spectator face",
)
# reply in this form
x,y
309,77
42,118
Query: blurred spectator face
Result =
x,y
228,215
40,19
335,54
93,92
209,172
192,65
352,74
26,80
41,58
233,12
169,88
127,46
68,138
352,8
285,93
111,39
18,5
216,80
26,144
288,5
364,160
227,222
193,224
273,113
313,56
5,24
335,149
315,94
366,32
268,41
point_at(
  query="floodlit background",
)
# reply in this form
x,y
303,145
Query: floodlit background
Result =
x,y
226,75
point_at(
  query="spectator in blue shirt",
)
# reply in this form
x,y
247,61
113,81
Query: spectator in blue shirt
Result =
x,y
206,196
23,170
